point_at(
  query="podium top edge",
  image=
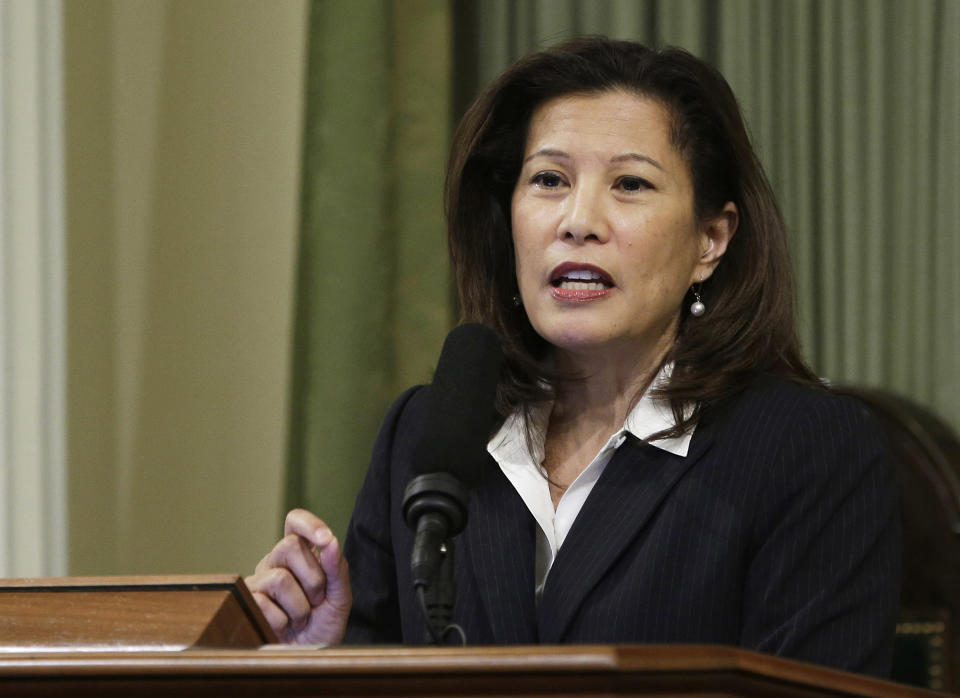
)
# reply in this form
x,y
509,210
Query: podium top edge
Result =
x,y
122,583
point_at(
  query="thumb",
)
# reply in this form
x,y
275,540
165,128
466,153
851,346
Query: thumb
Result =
x,y
336,570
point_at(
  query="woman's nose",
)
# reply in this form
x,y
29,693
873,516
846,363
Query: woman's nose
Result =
x,y
584,220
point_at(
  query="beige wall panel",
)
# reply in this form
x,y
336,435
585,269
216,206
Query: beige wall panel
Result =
x,y
91,408
202,139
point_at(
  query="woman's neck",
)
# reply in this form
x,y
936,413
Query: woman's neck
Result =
x,y
591,406
604,387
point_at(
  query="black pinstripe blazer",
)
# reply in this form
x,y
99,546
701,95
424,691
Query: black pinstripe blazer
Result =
x,y
777,532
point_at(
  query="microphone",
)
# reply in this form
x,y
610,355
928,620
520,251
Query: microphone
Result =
x,y
460,413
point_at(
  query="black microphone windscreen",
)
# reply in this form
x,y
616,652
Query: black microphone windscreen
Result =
x,y
462,396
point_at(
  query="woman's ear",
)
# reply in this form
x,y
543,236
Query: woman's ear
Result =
x,y
715,235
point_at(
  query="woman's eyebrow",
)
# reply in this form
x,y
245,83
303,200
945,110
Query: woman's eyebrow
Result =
x,y
547,152
554,153
637,156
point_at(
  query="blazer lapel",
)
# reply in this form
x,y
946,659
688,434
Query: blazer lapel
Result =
x,y
500,538
624,499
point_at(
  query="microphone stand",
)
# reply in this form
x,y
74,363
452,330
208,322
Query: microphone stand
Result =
x,y
435,507
460,411
437,598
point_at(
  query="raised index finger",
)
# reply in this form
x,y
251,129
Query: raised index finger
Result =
x,y
308,526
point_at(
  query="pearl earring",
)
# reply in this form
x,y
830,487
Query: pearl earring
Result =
x,y
517,301
697,308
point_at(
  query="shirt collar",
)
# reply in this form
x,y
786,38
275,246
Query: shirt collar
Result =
x,y
649,416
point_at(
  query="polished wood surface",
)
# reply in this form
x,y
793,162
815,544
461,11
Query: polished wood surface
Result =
x,y
483,671
170,612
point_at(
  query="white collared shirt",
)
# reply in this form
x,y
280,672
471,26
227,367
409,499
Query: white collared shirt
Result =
x,y
526,473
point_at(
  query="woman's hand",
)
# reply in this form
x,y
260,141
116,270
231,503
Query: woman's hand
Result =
x,y
303,584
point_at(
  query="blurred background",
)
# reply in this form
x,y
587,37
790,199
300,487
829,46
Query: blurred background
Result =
x,y
223,247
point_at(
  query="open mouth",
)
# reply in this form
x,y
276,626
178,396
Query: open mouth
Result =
x,y
580,277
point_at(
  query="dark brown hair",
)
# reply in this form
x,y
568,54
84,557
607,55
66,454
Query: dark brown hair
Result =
x,y
749,324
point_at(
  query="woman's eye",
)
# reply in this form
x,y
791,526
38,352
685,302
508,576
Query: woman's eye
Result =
x,y
633,184
548,180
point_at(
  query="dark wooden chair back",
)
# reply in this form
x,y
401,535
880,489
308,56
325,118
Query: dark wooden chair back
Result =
x,y
927,454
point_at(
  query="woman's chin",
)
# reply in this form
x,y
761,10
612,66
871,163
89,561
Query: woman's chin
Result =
x,y
580,341
602,344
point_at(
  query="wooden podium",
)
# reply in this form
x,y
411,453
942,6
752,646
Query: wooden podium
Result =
x,y
128,613
205,636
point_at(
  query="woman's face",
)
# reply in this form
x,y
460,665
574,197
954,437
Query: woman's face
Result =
x,y
604,230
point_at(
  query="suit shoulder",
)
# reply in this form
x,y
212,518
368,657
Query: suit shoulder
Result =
x,y
402,402
396,423
771,399
772,411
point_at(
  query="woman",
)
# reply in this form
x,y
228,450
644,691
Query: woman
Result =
x,y
667,469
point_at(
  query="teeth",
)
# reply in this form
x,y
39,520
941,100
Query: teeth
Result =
x,y
582,286
582,274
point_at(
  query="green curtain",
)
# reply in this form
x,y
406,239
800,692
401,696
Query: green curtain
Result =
x,y
373,287
853,108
